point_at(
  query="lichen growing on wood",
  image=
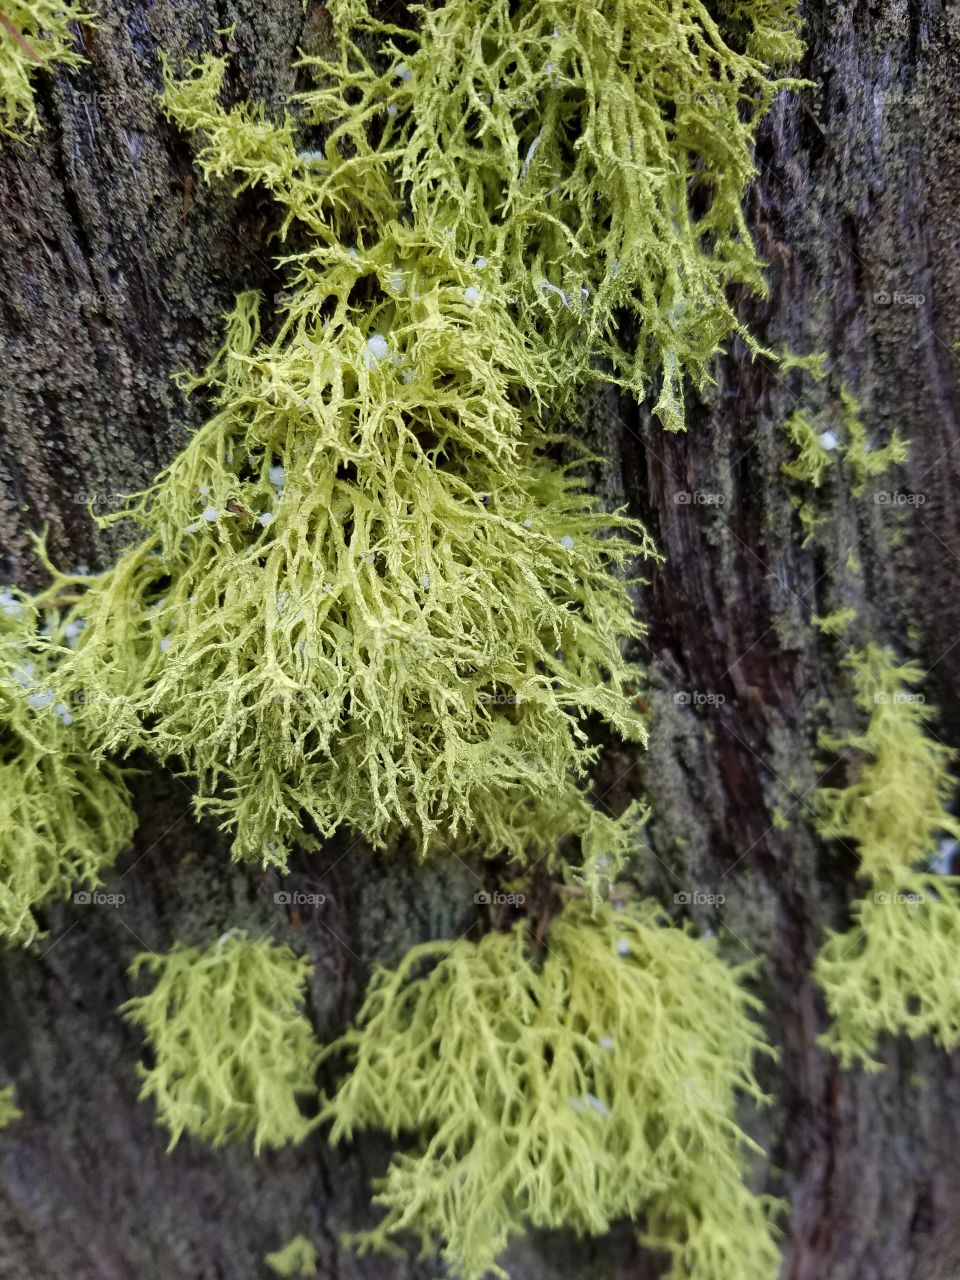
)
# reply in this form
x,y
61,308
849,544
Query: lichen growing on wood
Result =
x,y
232,1050
34,34
63,819
896,970
596,1083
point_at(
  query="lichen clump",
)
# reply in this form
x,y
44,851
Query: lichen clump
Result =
x,y
896,970
34,34
63,819
232,1049
595,1084
365,594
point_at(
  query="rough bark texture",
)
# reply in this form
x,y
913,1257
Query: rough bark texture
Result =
x,y
116,268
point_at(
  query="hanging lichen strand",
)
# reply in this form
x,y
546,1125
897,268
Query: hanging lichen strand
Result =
x,y
897,969
593,157
362,594
596,1084
63,820
232,1049
34,34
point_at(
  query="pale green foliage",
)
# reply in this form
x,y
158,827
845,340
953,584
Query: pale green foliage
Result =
x,y
431,609
63,818
9,1111
812,460
596,1084
297,1258
595,156
232,1048
866,461
34,34
897,969
836,622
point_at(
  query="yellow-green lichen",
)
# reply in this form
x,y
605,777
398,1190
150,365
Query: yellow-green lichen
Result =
x,y
593,158
34,34
63,818
364,595
596,1083
897,969
232,1049
9,1111
297,1258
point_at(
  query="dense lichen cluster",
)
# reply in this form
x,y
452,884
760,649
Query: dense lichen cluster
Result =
x,y
63,818
232,1049
897,969
33,35
595,1083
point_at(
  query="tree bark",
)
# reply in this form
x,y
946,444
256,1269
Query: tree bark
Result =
x,y
117,268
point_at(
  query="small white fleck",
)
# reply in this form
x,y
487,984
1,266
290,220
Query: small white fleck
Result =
x,y
555,33
531,152
228,456
265,518
81,571
24,676
623,947
164,643
328,586
601,1108
614,267
376,351
548,68
528,523
408,375
471,293
397,282
73,629
11,605
402,71
210,514
828,440
370,557
567,541
481,263
63,711
391,109
606,1042
311,157
204,490
191,528
552,288
425,581
40,700
276,475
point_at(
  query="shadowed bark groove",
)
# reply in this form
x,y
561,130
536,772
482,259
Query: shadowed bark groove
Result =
x,y
117,267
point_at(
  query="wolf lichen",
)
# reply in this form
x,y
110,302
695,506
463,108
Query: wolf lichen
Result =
x,y
34,34
597,1084
362,594
63,818
593,158
297,1258
232,1048
9,1111
897,969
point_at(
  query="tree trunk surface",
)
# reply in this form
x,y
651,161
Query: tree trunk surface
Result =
x,y
117,268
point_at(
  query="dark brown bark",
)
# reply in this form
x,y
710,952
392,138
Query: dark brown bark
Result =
x,y
116,268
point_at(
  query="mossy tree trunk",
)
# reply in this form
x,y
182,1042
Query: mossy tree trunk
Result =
x,y
117,267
